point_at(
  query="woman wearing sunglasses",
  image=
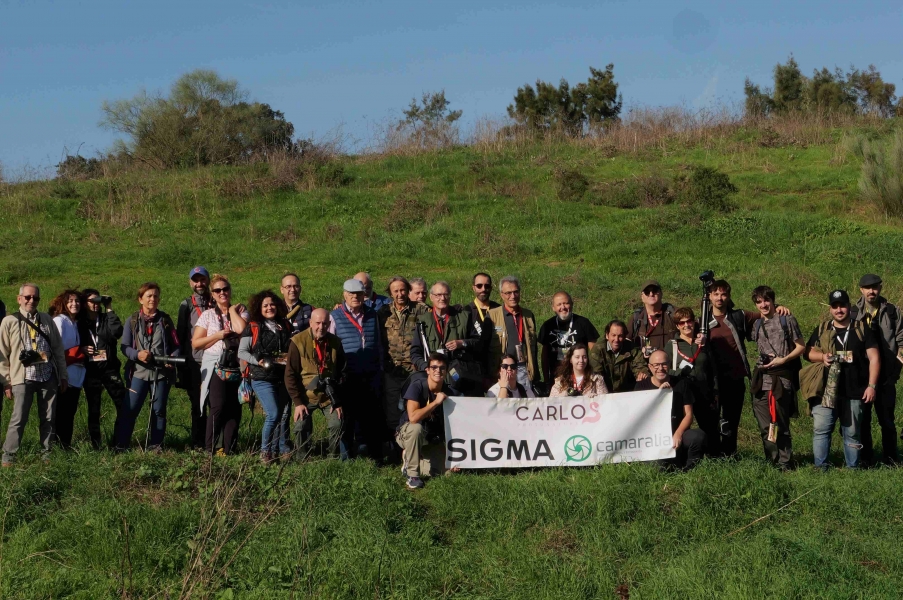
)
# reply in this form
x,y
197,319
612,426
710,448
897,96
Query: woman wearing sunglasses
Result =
x,y
507,385
65,309
217,333
575,376
689,364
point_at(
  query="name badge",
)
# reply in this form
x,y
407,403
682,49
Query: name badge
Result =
x,y
98,356
684,363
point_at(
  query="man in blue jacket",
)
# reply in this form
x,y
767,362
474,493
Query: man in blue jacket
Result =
x,y
357,325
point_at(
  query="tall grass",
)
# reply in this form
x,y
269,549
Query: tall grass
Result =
x,y
881,181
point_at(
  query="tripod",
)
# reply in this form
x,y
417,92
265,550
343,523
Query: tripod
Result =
x,y
156,365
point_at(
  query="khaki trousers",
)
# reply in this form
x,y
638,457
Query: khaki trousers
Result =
x,y
420,458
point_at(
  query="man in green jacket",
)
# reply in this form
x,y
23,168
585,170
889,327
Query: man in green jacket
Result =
x,y
619,362
449,330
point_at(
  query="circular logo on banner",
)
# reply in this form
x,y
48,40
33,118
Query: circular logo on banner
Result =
x,y
577,448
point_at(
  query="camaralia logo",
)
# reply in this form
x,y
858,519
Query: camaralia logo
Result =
x,y
576,412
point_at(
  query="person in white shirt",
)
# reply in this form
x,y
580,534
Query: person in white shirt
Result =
x,y
65,309
507,386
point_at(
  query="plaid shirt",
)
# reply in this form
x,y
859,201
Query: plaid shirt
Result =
x,y
32,340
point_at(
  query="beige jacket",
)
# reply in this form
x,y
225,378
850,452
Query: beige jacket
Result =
x,y
12,372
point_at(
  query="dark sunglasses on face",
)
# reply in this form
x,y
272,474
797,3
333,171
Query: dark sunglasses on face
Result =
x,y
439,368
685,323
483,286
30,298
652,291
222,290
508,367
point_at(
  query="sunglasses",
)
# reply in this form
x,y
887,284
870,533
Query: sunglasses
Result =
x,y
685,323
483,286
509,367
652,292
30,298
222,290
439,368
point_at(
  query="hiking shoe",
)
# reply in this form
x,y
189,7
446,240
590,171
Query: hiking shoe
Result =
x,y
415,483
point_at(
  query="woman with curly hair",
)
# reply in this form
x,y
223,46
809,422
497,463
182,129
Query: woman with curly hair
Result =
x,y
575,376
65,309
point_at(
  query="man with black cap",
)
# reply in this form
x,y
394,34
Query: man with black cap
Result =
x,y
357,325
190,379
852,362
883,318
651,326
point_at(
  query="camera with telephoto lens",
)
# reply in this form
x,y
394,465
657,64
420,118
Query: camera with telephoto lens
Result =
x,y
707,279
325,385
29,357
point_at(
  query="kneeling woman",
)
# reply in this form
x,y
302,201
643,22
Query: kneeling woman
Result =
x,y
263,346
575,376
147,333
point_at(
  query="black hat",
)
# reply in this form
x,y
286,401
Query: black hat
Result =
x,y
838,296
869,280
650,283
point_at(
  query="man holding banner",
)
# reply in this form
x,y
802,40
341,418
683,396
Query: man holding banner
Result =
x,y
688,443
420,430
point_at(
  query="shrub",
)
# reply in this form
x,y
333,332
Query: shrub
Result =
x,y
708,188
647,191
881,179
570,185
79,167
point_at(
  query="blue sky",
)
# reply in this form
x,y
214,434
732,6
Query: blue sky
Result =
x,y
357,64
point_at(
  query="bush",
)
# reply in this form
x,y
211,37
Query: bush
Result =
x,y
570,185
707,188
647,191
881,179
79,168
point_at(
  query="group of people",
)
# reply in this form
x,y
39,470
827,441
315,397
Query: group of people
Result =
x,y
380,367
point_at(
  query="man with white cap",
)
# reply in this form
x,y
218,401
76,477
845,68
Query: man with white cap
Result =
x,y
357,325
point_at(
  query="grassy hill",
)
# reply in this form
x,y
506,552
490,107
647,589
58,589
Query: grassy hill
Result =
x,y
97,525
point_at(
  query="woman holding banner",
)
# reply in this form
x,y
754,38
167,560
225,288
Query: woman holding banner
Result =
x,y
575,376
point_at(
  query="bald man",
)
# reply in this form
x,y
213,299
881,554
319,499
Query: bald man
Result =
x,y
315,357
688,443
561,331
374,301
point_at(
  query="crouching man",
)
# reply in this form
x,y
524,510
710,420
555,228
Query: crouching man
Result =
x,y
688,443
421,429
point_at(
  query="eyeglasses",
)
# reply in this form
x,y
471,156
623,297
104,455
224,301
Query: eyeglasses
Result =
x,y
441,295
439,368
30,298
685,323
508,367
483,286
292,287
222,290
511,293
658,365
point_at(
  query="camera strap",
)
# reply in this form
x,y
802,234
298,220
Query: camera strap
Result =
x,y
321,357
34,327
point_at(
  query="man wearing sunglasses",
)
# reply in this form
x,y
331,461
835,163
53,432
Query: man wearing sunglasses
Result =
x,y
652,325
32,363
421,429
479,313
190,310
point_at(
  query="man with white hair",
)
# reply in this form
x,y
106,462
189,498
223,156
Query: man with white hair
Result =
x,y
32,363
371,299
515,334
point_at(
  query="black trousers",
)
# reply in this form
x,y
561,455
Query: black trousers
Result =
x,y
883,406
690,451
66,407
192,380
731,394
225,415
96,382
365,421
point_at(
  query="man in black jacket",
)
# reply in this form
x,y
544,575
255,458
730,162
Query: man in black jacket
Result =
x,y
190,310
479,314
99,330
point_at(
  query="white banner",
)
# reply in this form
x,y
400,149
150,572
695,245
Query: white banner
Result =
x,y
484,433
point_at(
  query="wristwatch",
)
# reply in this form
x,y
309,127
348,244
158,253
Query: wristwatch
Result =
x,y
873,386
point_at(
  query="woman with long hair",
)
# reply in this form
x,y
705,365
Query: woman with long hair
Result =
x,y
65,309
575,376
264,345
147,333
217,333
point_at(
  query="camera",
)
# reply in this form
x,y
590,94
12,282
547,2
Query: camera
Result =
x,y
326,385
266,363
764,359
29,357
97,299
707,279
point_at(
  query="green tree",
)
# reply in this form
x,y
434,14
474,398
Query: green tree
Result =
x,y
432,111
872,94
547,107
829,92
789,84
205,120
758,103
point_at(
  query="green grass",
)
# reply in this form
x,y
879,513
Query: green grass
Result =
x,y
96,525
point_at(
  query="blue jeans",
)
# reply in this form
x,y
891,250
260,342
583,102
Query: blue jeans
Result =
x,y
128,414
275,402
849,412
